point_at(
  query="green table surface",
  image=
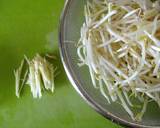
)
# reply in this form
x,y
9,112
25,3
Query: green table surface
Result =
x,y
28,27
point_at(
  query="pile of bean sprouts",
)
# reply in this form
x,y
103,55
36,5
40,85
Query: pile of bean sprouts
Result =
x,y
38,73
120,44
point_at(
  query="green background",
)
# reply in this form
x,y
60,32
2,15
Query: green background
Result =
x,y
28,27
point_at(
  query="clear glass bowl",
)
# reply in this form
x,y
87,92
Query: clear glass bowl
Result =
x,y
70,24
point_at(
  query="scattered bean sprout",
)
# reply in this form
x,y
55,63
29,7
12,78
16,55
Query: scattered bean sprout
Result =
x,y
39,74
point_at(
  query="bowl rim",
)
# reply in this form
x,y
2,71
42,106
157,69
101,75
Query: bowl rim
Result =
x,y
75,82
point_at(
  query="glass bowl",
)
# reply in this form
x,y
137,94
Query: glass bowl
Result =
x,y
70,24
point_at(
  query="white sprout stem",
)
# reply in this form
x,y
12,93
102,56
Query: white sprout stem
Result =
x,y
18,84
155,25
155,88
109,87
155,48
112,54
124,104
98,13
127,98
155,71
31,80
109,11
79,53
123,48
92,76
131,13
90,53
102,91
140,115
156,41
105,18
107,43
37,80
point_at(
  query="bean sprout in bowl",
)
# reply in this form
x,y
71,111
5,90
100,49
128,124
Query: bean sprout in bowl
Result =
x,y
127,104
